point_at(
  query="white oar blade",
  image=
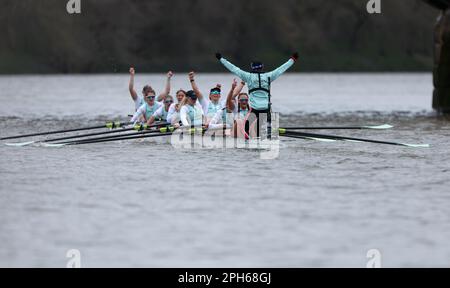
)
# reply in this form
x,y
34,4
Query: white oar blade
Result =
x,y
416,145
353,141
320,139
52,145
20,144
379,127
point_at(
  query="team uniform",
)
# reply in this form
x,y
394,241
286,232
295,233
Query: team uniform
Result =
x,y
191,115
161,114
210,108
259,86
145,111
223,117
258,82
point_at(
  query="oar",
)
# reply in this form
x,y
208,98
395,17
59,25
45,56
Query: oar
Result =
x,y
138,127
313,136
110,125
143,132
378,127
111,139
89,135
68,137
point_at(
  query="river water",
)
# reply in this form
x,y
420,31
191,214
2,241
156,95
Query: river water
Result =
x,y
146,204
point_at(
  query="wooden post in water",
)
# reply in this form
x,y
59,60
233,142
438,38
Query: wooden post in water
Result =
x,y
441,70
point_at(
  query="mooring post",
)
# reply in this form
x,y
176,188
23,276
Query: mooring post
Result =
x,y
441,70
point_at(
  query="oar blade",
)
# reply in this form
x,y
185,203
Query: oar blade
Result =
x,y
320,139
50,145
416,145
353,141
379,127
372,127
22,144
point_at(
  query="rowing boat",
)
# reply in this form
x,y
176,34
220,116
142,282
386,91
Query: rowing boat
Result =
x,y
180,141
197,137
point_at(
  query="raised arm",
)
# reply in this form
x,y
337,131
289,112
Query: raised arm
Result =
x,y
238,88
194,85
131,85
280,70
231,95
167,88
234,69
231,99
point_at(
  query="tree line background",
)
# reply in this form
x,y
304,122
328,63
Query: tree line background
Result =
x,y
157,35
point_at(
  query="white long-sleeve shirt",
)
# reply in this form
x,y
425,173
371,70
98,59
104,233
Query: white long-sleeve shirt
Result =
x,y
173,115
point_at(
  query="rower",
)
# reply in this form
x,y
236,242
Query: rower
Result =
x,y
241,110
139,100
191,114
162,112
147,109
224,118
212,105
173,116
259,84
234,116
